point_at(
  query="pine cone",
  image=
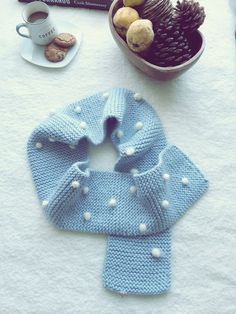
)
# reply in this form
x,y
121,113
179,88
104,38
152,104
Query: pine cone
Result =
x,y
156,10
190,15
170,46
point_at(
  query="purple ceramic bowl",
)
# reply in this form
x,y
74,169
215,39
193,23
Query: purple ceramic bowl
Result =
x,y
154,71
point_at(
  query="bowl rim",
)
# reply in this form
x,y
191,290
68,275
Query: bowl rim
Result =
x,y
140,59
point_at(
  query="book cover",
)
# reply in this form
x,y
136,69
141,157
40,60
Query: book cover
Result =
x,y
91,4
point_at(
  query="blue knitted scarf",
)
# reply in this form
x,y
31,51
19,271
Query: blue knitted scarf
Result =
x,y
151,187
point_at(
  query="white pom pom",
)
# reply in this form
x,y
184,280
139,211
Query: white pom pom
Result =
x,y
130,151
119,134
75,184
133,189
142,228
105,95
51,139
165,204
185,181
138,125
39,145
156,252
78,109
45,203
83,125
112,202
85,190
72,146
52,113
166,176
87,216
123,292
137,97
134,171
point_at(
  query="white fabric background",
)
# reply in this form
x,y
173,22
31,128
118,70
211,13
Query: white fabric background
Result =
x,y
47,271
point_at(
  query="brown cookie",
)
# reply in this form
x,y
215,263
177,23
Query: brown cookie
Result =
x,y
55,53
65,40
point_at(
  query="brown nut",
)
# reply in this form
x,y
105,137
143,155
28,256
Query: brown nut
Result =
x,y
140,35
133,3
123,18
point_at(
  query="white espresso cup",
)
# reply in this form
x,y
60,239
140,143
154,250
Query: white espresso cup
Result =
x,y
41,29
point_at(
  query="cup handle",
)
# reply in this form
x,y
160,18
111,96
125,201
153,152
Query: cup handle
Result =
x,y
18,27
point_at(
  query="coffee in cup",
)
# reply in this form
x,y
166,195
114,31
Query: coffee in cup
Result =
x,y
37,17
41,29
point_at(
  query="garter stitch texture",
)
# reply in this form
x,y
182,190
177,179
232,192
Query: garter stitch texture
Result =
x,y
151,187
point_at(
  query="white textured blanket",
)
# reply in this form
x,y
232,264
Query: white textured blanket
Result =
x,y
47,271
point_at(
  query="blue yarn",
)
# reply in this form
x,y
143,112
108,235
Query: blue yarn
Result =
x,y
58,156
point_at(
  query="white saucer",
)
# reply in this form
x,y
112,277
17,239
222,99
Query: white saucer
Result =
x,y
35,53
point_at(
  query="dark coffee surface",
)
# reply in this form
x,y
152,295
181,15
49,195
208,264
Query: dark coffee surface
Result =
x,y
37,17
